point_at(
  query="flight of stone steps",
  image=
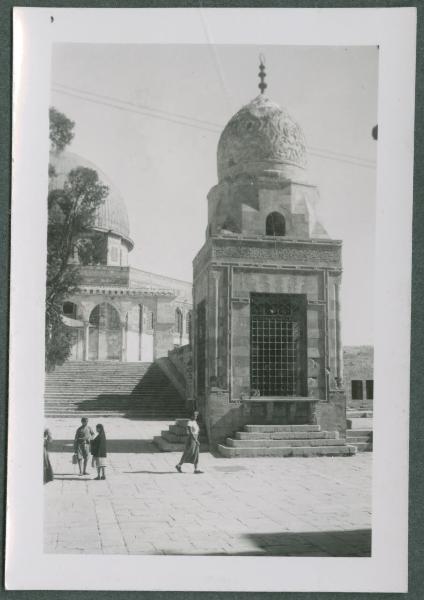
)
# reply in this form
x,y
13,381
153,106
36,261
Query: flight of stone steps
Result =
x,y
361,438
359,428
285,441
173,439
100,389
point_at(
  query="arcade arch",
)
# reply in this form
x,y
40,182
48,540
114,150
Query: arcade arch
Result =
x,y
105,333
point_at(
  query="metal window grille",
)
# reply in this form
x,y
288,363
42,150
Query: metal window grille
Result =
x,y
275,358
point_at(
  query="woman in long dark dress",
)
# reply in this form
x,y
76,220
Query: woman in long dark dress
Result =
x,y
98,450
192,445
48,471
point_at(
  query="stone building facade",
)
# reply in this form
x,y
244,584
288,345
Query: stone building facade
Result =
x,y
120,313
266,285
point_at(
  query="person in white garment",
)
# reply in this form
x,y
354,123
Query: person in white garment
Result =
x,y
192,445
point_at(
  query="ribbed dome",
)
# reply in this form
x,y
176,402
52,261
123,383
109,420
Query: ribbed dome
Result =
x,y
261,135
112,214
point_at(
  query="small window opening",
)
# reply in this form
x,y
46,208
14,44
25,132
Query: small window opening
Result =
x,y
70,310
357,390
275,224
369,384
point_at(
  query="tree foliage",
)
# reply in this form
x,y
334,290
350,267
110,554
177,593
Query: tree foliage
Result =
x,y
71,212
61,130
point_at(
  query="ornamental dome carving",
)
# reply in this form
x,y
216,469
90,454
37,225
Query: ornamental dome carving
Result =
x,y
260,136
111,216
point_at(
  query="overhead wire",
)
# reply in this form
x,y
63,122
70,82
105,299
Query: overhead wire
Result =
x,y
193,122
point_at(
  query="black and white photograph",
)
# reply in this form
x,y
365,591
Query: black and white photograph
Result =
x,y
218,354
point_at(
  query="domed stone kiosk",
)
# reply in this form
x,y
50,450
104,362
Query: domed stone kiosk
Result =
x,y
267,335
120,313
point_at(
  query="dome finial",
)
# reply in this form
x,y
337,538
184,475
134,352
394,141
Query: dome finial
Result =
x,y
262,85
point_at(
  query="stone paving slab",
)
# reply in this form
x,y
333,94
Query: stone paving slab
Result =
x,y
246,506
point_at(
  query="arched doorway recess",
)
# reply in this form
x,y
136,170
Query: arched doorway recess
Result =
x,y
105,341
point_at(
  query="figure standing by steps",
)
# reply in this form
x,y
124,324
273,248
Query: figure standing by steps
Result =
x,y
83,436
192,445
48,471
98,450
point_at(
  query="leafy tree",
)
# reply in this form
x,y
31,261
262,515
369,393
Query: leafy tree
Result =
x,y
71,212
61,130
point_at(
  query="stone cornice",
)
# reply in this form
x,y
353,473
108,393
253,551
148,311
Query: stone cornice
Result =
x,y
117,291
264,250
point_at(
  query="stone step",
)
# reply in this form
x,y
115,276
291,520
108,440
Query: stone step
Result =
x,y
166,446
362,446
278,443
132,390
114,399
167,415
273,428
359,439
286,451
106,382
177,429
358,433
84,383
178,439
286,435
102,415
359,414
101,364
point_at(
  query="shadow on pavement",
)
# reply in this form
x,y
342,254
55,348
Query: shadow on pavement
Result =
x,y
113,446
71,478
354,543
170,472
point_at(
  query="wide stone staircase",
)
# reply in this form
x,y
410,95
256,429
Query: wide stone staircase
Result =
x,y
101,389
285,441
173,439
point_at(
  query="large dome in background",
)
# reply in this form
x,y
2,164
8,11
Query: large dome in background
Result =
x,y
112,213
260,135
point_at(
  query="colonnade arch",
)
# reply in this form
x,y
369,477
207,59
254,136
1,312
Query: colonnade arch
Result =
x,y
105,333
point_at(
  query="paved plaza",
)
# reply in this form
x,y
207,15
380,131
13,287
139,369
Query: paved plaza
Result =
x,y
250,506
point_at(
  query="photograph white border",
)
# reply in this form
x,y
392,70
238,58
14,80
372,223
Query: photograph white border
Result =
x,y
34,32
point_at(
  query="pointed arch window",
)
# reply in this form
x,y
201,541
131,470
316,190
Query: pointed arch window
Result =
x,y
275,224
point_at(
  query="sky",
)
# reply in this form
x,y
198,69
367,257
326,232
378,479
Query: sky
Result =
x,y
150,116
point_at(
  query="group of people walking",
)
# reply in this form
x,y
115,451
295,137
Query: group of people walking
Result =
x,y
88,442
